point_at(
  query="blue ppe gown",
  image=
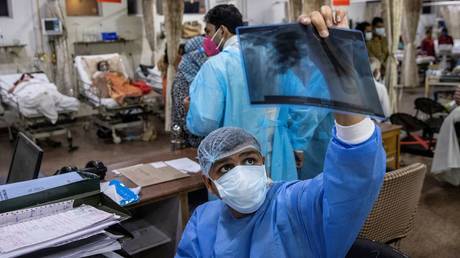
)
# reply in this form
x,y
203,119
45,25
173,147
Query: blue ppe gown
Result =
x,y
309,128
315,218
219,97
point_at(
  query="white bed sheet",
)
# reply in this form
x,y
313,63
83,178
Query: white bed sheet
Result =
x,y
67,104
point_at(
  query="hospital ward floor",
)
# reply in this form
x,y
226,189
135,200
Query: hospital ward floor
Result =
x,y
437,225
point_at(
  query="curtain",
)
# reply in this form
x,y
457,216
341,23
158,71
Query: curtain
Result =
x,y
173,12
392,10
298,7
409,30
63,73
373,9
311,5
295,9
451,15
148,11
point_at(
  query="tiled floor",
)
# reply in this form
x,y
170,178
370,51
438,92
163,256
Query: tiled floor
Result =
x,y
437,226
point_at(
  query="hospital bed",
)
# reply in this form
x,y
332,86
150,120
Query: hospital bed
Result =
x,y
30,121
110,115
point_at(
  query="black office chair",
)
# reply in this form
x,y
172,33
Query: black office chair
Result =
x,y
436,112
363,248
415,143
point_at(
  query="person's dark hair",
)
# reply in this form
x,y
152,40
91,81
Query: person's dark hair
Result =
x,y
99,64
181,49
165,56
376,21
224,14
428,30
23,76
362,26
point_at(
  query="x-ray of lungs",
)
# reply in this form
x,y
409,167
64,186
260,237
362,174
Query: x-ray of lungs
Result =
x,y
291,64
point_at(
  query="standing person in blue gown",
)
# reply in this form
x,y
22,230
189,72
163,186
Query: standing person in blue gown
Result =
x,y
219,97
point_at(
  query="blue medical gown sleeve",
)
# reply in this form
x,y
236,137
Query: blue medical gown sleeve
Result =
x,y
188,246
207,100
334,205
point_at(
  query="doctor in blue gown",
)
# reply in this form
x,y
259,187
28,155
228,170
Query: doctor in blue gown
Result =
x,y
255,217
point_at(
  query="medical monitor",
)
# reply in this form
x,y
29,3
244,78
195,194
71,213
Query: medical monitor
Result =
x,y
26,161
51,26
291,64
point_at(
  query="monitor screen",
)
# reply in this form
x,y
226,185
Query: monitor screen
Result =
x,y
52,25
291,64
26,161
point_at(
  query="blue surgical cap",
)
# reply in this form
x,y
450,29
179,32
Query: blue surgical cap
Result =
x,y
222,143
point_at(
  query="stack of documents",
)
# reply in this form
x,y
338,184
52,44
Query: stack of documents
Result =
x,y
57,230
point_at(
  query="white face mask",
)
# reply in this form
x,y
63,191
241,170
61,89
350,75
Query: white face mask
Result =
x,y
380,32
368,35
243,188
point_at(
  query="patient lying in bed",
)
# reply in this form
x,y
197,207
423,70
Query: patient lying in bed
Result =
x,y
34,94
113,84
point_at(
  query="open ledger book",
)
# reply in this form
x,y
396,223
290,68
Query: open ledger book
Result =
x,y
57,225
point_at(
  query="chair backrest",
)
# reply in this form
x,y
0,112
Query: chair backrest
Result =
x,y
429,106
364,248
408,122
457,129
393,214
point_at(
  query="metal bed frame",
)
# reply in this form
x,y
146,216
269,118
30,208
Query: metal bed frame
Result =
x,y
39,127
132,114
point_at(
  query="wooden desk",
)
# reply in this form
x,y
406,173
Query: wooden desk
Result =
x,y
165,205
391,144
431,82
154,193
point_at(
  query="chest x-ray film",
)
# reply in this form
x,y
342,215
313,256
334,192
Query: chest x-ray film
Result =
x,y
291,64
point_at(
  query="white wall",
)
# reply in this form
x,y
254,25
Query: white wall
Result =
x,y
259,12
23,27
356,12
20,28
113,18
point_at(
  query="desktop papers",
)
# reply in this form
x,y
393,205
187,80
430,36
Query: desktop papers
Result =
x,y
184,164
29,235
145,174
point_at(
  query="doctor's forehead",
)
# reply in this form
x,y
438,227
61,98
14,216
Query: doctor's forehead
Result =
x,y
238,156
